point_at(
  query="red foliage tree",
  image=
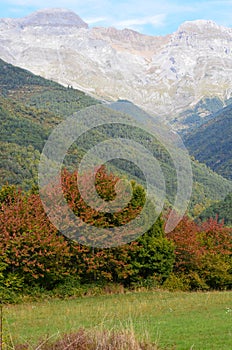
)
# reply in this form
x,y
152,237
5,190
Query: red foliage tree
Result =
x,y
203,253
188,248
29,243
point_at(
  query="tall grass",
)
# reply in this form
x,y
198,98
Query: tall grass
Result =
x,y
172,320
93,340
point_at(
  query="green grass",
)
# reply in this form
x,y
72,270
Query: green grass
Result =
x,y
196,321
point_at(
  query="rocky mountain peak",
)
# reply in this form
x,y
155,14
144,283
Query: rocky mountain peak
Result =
x,y
166,75
198,25
201,26
53,17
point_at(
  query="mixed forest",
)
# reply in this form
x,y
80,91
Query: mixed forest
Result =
x,y
35,258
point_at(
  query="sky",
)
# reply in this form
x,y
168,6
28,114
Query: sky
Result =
x,y
149,16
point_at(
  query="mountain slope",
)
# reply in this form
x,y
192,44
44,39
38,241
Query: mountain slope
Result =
x,y
31,107
221,210
165,75
212,142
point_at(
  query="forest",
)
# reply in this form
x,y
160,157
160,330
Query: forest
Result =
x,y
36,258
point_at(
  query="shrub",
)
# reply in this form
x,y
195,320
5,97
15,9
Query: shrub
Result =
x,y
216,271
176,283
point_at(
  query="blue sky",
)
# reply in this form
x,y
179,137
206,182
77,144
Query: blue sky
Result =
x,y
148,16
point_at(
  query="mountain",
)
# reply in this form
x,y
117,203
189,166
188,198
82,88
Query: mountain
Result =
x,y
30,109
190,69
212,142
55,18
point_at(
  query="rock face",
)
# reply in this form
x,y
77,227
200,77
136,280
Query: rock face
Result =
x,y
53,18
164,75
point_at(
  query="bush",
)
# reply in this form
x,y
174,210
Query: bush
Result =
x,y
70,286
145,284
176,283
10,285
217,271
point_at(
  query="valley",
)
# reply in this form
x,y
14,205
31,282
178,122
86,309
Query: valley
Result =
x,y
82,266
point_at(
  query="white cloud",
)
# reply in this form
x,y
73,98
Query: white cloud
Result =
x,y
157,20
93,20
148,16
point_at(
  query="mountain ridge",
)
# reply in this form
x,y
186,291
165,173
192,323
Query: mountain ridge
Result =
x,y
164,75
53,17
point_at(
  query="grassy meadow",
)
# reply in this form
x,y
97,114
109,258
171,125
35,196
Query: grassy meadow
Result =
x,y
172,320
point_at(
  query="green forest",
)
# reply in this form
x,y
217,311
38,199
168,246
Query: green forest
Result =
x,y
36,258
211,142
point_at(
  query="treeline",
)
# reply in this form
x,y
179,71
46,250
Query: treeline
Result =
x,y
221,210
35,257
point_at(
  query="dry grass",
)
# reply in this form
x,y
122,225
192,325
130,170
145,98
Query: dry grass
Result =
x,y
94,340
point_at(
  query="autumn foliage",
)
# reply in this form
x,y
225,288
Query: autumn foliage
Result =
x,y
30,244
203,253
33,253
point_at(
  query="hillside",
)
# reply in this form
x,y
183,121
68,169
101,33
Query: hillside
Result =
x,y
30,108
221,210
212,142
